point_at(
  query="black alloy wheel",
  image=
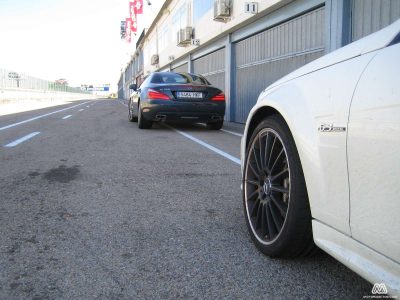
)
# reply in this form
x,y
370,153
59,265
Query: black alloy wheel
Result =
x,y
131,116
274,193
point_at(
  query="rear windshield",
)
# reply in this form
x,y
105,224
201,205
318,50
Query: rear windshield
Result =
x,y
178,78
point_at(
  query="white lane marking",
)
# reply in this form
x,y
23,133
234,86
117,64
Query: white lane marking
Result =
x,y
41,116
122,103
66,117
82,109
204,144
232,132
21,140
87,105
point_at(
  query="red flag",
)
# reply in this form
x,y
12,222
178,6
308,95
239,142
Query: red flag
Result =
x,y
134,26
132,13
132,9
128,30
138,4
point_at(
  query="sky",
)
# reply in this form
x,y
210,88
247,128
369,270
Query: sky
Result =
x,y
74,39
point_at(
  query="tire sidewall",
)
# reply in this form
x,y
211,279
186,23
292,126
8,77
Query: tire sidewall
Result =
x,y
142,122
130,110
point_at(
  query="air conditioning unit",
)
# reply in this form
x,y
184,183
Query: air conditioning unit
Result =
x,y
222,10
251,7
184,36
154,59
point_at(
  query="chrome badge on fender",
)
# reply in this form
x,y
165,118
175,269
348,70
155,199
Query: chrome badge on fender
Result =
x,y
330,128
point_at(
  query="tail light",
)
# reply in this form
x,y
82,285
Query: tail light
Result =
x,y
219,97
156,95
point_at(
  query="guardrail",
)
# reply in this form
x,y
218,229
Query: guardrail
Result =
x,y
16,87
17,80
13,95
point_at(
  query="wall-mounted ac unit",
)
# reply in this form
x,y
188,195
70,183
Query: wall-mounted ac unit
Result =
x,y
154,59
222,10
184,36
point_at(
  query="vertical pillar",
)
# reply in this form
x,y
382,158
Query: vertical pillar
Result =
x,y
190,63
229,79
337,24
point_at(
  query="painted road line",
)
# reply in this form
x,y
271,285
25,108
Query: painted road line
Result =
x,y
122,103
82,109
232,132
227,131
204,144
41,116
66,117
87,105
21,140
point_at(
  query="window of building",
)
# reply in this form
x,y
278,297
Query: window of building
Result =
x,y
200,7
162,36
153,47
179,19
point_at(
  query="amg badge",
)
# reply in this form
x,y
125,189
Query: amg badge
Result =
x,y
330,128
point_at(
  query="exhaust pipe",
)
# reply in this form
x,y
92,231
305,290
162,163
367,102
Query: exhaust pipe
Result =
x,y
161,117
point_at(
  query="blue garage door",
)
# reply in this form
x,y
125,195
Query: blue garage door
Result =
x,y
267,56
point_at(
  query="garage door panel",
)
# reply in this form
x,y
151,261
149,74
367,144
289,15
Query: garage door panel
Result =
x,y
212,67
181,68
217,80
369,16
265,57
251,81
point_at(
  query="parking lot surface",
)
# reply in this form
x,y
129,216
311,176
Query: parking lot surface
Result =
x,y
93,207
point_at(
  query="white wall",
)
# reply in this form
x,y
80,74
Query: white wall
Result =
x,y
205,28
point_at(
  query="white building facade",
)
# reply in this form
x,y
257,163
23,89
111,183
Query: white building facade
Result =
x,y
242,47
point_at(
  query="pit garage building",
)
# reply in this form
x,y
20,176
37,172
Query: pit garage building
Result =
x,y
242,47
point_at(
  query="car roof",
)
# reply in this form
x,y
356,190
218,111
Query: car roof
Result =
x,y
172,72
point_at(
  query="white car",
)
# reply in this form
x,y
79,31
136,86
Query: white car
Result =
x,y
321,160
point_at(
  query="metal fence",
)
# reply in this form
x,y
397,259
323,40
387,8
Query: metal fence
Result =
x,y
15,80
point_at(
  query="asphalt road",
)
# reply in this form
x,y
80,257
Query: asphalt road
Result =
x,y
93,207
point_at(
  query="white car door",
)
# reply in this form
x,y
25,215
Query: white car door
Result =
x,y
374,155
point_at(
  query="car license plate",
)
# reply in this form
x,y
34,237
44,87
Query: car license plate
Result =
x,y
193,95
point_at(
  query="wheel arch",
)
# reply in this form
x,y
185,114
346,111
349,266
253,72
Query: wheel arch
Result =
x,y
298,118
257,117
260,113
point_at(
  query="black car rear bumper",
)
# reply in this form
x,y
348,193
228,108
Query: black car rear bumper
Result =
x,y
163,110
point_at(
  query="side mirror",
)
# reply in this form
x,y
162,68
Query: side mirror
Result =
x,y
133,87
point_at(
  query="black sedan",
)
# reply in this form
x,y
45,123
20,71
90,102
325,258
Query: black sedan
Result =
x,y
182,97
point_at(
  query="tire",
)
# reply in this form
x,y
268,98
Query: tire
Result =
x,y
131,116
275,199
142,122
215,125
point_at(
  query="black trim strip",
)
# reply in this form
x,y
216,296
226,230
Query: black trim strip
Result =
x,y
396,40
